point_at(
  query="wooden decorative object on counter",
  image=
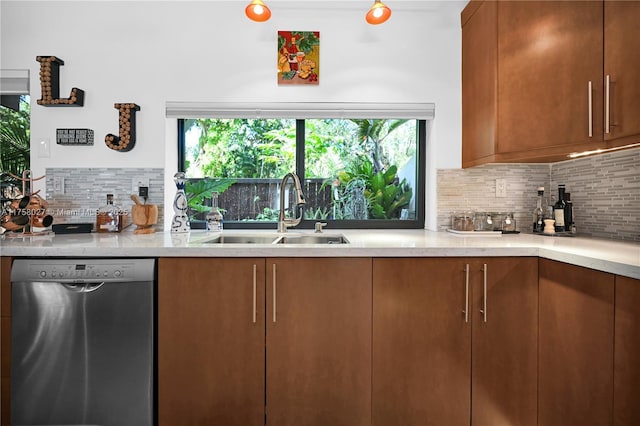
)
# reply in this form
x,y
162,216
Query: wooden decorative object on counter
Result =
x,y
27,212
50,84
144,216
127,134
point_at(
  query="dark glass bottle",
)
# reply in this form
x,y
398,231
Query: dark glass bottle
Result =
x,y
568,212
559,209
538,213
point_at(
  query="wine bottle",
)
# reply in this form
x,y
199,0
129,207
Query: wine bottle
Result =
x,y
559,209
538,213
568,212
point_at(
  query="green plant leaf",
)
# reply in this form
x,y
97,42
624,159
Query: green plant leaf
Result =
x,y
199,190
402,201
390,174
377,182
389,195
378,212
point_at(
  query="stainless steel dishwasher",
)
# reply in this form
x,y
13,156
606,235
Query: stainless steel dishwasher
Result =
x,y
82,342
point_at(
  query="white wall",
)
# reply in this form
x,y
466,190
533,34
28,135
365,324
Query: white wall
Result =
x,y
151,52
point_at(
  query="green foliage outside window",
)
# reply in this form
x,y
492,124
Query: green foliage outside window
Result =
x,y
242,148
356,157
14,138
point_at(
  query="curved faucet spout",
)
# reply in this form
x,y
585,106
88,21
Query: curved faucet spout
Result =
x,y
283,222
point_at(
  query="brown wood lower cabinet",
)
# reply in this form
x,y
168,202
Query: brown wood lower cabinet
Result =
x,y
210,350
435,357
319,341
575,345
435,341
626,401
220,325
421,343
504,361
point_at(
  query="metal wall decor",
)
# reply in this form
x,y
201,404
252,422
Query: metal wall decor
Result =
x,y
127,134
50,84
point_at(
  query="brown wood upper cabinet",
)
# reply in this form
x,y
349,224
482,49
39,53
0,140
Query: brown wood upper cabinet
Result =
x,y
454,339
542,79
221,321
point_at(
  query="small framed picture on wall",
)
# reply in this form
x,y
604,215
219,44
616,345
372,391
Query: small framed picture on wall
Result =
x,y
299,57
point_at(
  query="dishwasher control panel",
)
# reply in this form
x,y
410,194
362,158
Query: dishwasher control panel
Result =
x,y
79,271
83,270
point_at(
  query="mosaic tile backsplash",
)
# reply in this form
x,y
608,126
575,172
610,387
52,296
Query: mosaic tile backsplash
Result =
x,y
605,191
86,189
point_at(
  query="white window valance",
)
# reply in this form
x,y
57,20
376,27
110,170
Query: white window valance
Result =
x,y
14,82
301,110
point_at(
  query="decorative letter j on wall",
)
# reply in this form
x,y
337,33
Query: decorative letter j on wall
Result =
x,y
127,139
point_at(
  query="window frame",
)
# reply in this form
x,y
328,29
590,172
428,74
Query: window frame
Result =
x,y
422,113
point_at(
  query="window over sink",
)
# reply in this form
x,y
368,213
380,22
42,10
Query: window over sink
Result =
x,y
360,165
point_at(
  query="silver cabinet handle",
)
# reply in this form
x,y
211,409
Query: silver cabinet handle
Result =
x,y
466,293
483,311
607,104
590,88
254,293
274,292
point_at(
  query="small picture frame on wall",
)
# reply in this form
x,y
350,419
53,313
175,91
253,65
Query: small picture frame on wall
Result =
x,y
74,136
299,57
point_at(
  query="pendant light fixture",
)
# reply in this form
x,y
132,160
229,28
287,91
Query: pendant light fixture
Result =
x,y
257,11
378,13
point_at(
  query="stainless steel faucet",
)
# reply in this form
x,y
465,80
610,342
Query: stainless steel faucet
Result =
x,y
284,222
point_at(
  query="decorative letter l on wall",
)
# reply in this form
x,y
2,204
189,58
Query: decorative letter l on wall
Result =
x,y
50,84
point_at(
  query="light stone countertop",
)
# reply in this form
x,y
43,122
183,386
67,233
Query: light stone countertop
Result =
x,y
622,258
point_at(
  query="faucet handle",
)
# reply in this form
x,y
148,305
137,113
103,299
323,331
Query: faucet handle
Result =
x,y
319,226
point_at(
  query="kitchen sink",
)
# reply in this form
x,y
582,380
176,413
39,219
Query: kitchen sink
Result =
x,y
313,239
244,239
279,239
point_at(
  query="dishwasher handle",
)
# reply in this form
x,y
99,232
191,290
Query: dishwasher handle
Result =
x,y
83,287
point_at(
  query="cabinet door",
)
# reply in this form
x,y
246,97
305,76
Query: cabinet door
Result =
x,y
319,341
548,52
504,341
421,342
211,341
575,345
627,353
479,69
622,64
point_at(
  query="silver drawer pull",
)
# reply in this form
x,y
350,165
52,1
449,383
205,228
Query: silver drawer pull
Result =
x,y
254,292
590,97
483,311
466,293
607,104
274,293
